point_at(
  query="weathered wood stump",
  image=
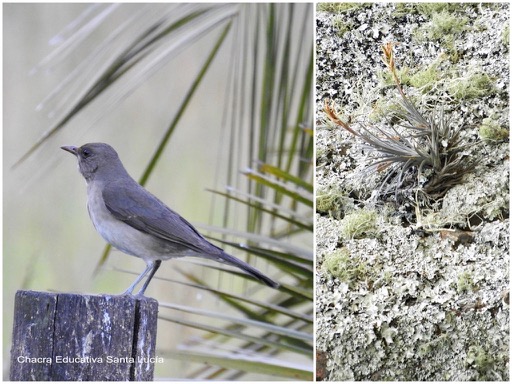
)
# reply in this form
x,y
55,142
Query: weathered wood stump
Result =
x,y
64,337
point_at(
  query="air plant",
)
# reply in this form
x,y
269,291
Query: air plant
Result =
x,y
427,147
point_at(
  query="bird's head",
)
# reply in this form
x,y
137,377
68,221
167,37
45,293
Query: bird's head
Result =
x,y
95,159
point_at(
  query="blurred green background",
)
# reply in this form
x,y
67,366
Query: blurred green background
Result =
x,y
49,241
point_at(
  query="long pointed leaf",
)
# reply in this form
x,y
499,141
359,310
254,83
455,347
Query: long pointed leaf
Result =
x,y
234,334
277,368
271,328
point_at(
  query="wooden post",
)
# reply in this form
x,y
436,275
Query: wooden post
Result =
x,y
71,337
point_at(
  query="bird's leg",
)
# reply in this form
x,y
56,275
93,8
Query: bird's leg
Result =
x,y
154,265
129,291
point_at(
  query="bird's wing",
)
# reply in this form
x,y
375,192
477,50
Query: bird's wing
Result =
x,y
138,208
129,202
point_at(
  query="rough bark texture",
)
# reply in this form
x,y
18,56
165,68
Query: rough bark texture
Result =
x,y
71,337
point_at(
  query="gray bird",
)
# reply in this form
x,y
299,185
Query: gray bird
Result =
x,y
137,223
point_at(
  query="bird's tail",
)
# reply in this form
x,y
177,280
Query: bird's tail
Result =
x,y
227,258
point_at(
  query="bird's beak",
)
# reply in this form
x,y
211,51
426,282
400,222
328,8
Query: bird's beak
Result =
x,y
71,149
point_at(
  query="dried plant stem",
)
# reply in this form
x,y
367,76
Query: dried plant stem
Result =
x,y
389,60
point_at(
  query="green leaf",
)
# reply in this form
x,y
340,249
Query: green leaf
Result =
x,y
270,328
236,335
261,365
279,187
267,168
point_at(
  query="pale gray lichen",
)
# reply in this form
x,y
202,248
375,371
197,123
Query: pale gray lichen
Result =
x,y
428,308
391,322
483,195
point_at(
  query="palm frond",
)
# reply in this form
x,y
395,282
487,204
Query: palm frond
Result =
x,y
233,361
132,61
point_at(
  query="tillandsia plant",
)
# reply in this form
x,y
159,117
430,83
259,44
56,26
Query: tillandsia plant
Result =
x,y
426,148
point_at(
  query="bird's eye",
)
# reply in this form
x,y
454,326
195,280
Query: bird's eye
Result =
x,y
86,152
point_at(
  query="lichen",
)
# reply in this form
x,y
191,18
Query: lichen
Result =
x,y
491,130
443,27
340,7
358,224
320,152
446,27
347,269
331,201
407,318
340,25
465,283
505,35
428,9
481,360
480,197
477,84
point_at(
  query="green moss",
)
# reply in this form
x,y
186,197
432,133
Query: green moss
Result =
x,y
444,27
358,224
445,24
320,152
425,79
334,262
402,9
454,54
386,78
383,109
340,7
480,360
505,35
490,130
331,201
344,267
476,85
428,9
340,25
465,283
